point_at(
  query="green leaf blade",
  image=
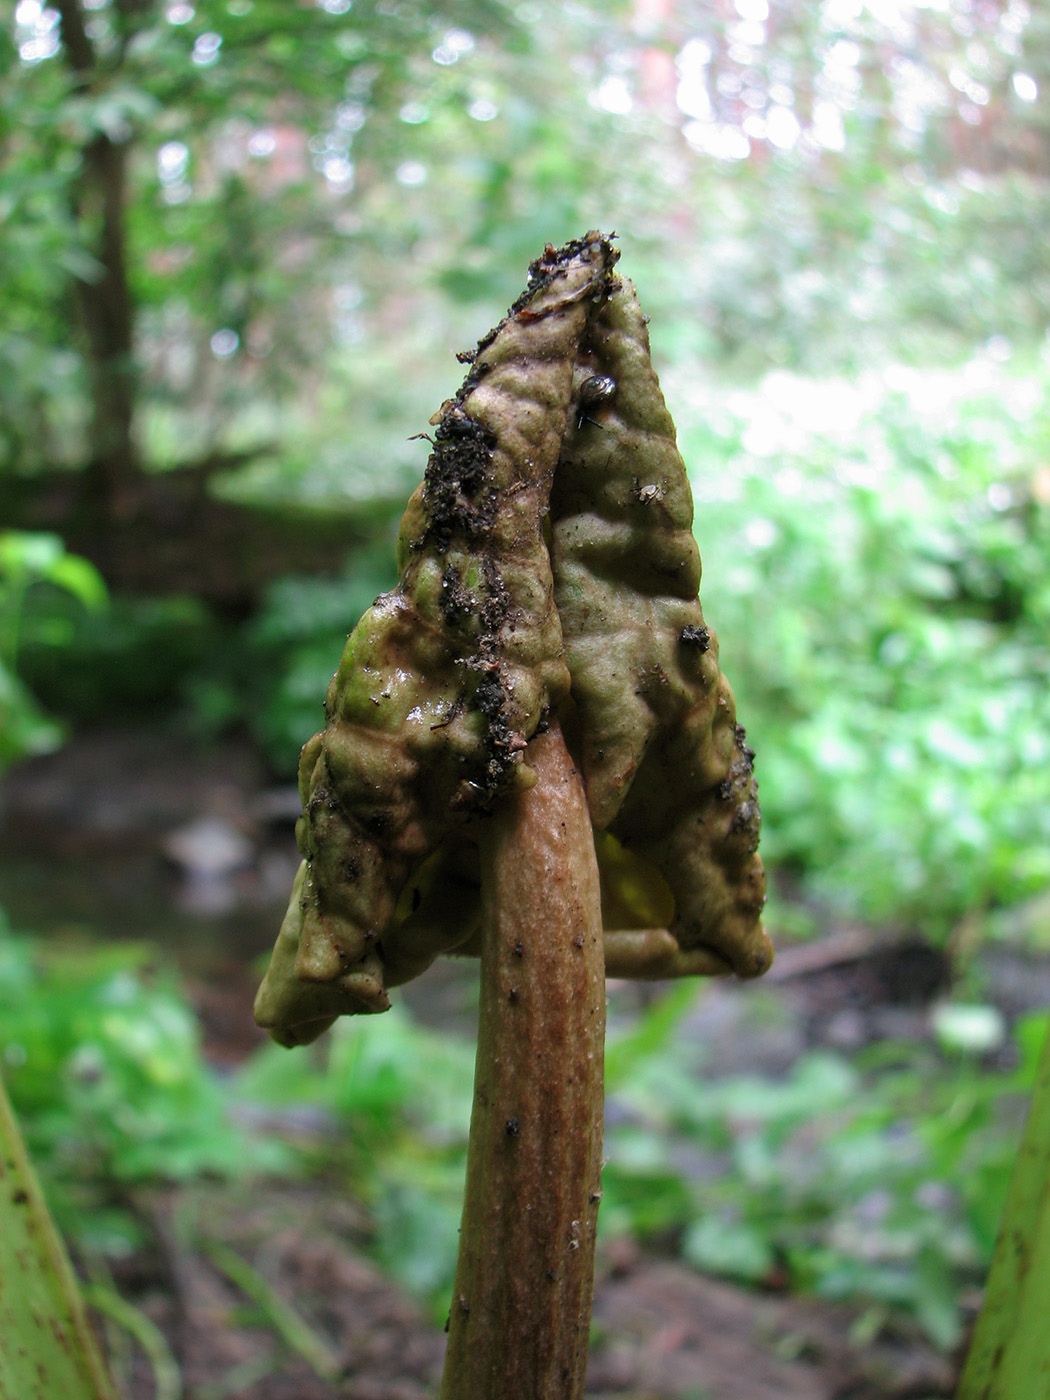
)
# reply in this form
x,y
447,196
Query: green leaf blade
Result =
x,y
47,1348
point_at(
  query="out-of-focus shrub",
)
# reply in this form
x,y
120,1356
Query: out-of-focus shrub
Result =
x,y
875,558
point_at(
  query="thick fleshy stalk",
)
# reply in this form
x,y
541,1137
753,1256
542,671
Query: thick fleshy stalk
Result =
x,y
521,1303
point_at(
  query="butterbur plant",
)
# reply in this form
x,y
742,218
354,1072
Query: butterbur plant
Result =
x,y
530,754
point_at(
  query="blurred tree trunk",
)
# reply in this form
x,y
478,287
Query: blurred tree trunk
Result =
x,y
106,318
104,301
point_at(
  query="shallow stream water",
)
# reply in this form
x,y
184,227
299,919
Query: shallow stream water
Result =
x,y
189,849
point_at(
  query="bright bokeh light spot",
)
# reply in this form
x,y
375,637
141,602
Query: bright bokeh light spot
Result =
x,y
795,405
38,26
206,49
482,110
974,1029
827,126
455,43
414,113
350,116
29,13
968,86
411,173
761,534
693,100
693,57
1016,17
224,343
789,481
718,139
917,93
336,7
337,170
262,143
782,128
746,36
897,17
613,95
692,96
33,50
180,14
841,63
754,11
1026,87
172,160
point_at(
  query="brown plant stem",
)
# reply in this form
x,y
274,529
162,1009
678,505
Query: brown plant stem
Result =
x,y
521,1303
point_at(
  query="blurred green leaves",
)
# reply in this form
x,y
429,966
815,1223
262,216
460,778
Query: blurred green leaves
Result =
x,y
876,1180
296,640
875,564
35,563
401,1095
103,1062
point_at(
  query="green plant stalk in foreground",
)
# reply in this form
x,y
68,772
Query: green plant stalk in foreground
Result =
x,y
1009,1357
47,1348
530,754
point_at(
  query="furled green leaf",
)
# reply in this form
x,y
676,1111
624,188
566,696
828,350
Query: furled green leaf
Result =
x,y
547,561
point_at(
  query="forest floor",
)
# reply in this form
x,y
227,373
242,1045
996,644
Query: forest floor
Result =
x,y
131,823
661,1331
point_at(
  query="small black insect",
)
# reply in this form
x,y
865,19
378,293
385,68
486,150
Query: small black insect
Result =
x,y
599,389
